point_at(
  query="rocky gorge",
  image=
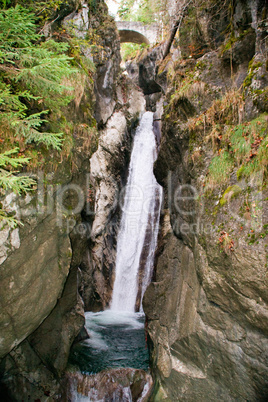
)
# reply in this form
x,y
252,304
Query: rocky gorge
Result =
x,y
206,308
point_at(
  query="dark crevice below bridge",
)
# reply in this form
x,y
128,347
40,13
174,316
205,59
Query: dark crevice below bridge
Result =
x,y
136,32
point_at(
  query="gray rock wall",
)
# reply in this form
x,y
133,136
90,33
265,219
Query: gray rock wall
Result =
x,y
207,307
32,280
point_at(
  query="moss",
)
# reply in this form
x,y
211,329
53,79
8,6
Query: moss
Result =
x,y
192,140
201,65
240,172
233,39
260,91
252,67
215,211
229,43
230,192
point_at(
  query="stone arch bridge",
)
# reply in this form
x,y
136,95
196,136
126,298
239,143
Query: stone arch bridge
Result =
x,y
136,32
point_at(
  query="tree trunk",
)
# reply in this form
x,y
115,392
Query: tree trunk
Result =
x,y
174,29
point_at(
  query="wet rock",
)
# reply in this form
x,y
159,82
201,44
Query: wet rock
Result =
x,y
108,175
136,103
124,384
33,368
202,348
106,165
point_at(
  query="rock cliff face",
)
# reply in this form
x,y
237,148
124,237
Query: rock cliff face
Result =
x,y
207,306
41,308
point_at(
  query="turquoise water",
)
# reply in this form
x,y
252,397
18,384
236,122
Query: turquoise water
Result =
x,y
116,340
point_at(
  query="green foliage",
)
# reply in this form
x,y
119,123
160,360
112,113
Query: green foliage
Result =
x,y
244,146
13,120
9,180
38,68
44,9
4,3
130,51
17,30
125,10
145,11
28,128
5,219
38,79
34,81
46,5
43,70
240,144
220,168
7,159
249,146
17,184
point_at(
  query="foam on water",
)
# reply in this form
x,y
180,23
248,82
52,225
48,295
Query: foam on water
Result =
x,y
114,318
116,340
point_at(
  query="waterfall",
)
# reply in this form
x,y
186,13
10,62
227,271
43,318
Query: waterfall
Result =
x,y
138,230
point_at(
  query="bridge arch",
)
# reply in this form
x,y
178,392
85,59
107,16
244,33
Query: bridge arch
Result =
x,y
127,35
136,32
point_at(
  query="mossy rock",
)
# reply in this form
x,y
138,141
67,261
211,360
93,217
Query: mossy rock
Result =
x,y
261,99
252,69
230,192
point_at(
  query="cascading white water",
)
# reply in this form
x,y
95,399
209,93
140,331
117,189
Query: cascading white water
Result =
x,y
138,231
117,336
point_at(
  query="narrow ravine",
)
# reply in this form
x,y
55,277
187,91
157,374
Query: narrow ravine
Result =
x,y
116,336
